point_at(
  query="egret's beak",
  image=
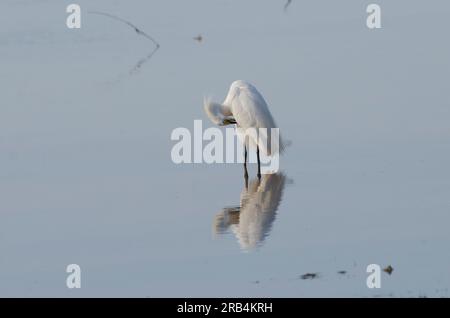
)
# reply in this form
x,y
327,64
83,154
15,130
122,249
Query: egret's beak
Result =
x,y
229,121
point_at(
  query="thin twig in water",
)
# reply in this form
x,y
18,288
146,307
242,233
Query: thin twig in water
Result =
x,y
287,4
139,32
142,62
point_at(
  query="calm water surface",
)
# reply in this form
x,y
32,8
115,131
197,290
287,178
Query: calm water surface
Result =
x,y
86,175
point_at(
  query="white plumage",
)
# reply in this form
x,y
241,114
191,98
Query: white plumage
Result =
x,y
245,107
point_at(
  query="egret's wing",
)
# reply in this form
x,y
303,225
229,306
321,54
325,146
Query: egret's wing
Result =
x,y
250,110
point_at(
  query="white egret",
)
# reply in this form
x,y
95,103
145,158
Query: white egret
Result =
x,y
245,107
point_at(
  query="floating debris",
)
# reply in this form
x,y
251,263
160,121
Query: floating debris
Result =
x,y
342,272
198,38
309,276
388,269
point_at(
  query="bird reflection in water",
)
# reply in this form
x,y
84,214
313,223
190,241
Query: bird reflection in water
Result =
x,y
252,220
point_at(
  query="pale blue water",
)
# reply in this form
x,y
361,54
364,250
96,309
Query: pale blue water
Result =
x,y
86,175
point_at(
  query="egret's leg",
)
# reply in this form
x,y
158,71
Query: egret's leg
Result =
x,y
259,163
245,167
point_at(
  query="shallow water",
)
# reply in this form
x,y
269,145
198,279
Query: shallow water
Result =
x,y
86,175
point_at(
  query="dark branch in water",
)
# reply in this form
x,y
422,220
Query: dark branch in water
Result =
x,y
139,32
287,4
136,29
142,61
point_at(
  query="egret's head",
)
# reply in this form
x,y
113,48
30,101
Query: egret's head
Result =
x,y
213,112
217,113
